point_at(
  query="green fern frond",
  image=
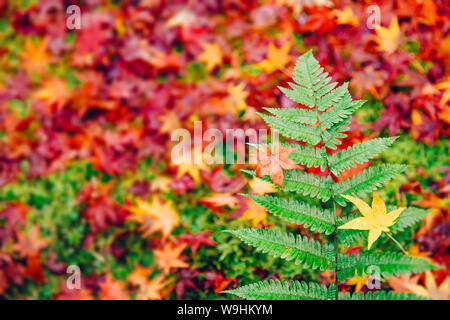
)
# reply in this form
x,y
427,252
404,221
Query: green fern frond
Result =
x,y
332,137
313,86
324,120
308,184
294,130
294,114
357,154
302,250
380,295
314,218
308,156
341,111
334,97
299,94
367,180
286,290
408,218
389,263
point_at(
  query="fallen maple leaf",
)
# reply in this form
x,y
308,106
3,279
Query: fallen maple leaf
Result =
x,y
212,56
170,122
374,219
221,200
431,289
273,161
183,18
346,17
54,91
237,97
168,257
255,213
192,166
261,187
29,244
195,240
277,58
34,57
389,39
148,289
155,217
112,289
161,183
357,281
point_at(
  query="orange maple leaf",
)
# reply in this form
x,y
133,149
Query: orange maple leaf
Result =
x,y
277,58
54,91
155,216
148,289
111,289
168,257
29,244
221,200
261,187
212,56
389,39
346,17
34,57
255,213
273,161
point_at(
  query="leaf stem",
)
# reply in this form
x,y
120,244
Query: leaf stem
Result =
x,y
397,243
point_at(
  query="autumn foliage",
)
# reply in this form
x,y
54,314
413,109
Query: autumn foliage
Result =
x,y
86,117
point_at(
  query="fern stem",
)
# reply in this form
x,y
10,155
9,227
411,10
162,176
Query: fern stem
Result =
x,y
336,282
397,243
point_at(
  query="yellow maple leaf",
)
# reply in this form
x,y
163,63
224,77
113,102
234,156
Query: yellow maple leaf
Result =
x,y
431,289
147,289
374,219
192,167
347,17
261,187
389,39
444,85
170,122
297,5
357,281
34,57
212,56
168,257
255,213
237,97
221,200
54,91
182,18
155,216
277,58
161,183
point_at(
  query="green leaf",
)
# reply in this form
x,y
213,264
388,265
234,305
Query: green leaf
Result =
x,y
286,290
308,184
390,264
298,115
314,218
357,154
379,295
368,180
341,111
290,129
302,250
308,156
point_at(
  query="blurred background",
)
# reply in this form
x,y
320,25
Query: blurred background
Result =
x,y
91,205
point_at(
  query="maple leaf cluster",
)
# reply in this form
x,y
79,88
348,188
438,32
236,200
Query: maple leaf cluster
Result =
x,y
86,116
